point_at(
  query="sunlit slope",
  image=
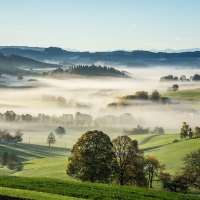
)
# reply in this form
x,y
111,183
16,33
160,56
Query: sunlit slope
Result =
x,y
20,193
185,94
160,140
171,154
88,190
41,161
46,167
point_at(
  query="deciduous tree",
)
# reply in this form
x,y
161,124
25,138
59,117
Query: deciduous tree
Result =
x,y
91,158
129,162
60,131
153,168
51,139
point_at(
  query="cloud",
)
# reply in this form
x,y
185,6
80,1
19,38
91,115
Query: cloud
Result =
x,y
130,28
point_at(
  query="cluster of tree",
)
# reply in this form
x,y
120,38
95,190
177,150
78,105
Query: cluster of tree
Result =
x,y
169,78
95,158
60,131
139,95
91,70
137,130
10,160
158,130
70,120
186,131
196,77
174,88
6,137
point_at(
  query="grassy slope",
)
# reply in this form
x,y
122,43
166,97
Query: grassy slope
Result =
x,y
171,154
38,160
160,140
185,94
33,194
88,190
45,167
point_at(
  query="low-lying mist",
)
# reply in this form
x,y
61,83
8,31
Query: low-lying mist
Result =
x,y
90,95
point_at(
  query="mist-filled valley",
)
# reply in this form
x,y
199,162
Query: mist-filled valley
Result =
x,y
55,97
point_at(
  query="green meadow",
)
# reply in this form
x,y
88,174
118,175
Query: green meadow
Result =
x,y
184,94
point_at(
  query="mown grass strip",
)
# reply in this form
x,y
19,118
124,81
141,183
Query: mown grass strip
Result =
x,y
33,194
88,190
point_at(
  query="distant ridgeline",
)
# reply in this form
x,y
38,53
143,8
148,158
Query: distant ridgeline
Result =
x,y
6,65
137,58
92,70
196,77
14,64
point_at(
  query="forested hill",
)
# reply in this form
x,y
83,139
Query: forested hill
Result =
x,y
127,58
11,64
24,62
92,70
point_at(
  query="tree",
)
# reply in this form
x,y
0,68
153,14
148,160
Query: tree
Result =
x,y
185,130
197,131
51,139
158,130
154,96
91,158
191,168
5,136
60,131
153,168
12,159
129,162
4,158
175,87
17,136
18,166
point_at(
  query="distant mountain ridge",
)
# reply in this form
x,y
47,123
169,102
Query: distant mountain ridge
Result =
x,y
136,58
12,64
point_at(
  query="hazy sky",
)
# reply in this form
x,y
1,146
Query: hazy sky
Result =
x,y
101,25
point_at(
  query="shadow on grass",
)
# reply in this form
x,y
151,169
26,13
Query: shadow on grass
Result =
x,y
25,151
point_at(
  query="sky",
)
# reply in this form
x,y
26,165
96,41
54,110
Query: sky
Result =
x,y
101,25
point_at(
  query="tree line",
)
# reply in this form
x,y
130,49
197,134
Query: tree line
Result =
x,y
70,120
90,70
129,100
187,132
140,130
196,77
6,136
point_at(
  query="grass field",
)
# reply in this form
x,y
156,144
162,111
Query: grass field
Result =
x,y
185,94
171,154
51,162
13,192
88,190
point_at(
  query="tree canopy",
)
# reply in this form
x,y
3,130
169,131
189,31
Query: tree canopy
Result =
x,y
91,158
60,131
51,139
129,162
